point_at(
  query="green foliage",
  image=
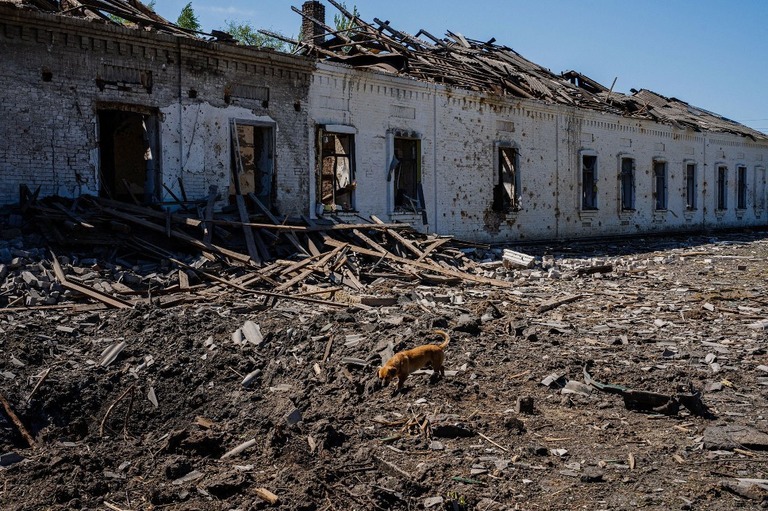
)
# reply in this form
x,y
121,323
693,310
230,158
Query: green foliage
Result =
x,y
247,35
117,19
188,18
344,23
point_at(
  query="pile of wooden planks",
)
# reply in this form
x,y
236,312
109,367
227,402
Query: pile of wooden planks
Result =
x,y
118,254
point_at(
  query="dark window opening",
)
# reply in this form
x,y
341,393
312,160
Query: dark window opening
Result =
x,y
127,156
660,184
253,160
337,173
741,187
407,174
722,187
505,190
690,186
627,184
588,182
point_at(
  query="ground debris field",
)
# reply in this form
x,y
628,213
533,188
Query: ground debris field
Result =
x,y
611,375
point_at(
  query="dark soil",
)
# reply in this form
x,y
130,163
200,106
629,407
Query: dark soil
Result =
x,y
329,437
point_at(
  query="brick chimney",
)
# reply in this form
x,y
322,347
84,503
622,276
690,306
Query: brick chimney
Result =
x,y
310,31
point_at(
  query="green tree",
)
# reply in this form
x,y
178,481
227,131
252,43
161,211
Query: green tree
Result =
x,y
247,35
188,18
344,23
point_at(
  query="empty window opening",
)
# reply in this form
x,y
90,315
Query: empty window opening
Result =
x,y
722,187
506,181
253,161
690,186
336,179
588,182
660,184
407,174
627,184
759,188
741,187
128,144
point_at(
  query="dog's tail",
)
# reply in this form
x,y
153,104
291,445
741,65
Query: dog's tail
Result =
x,y
445,338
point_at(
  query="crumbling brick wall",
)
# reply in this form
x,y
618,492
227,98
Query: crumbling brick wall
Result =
x,y
57,73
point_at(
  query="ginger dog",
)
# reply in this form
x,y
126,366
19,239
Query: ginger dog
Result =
x,y
406,362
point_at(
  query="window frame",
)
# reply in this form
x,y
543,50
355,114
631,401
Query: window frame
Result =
x,y
660,193
741,186
691,184
267,176
337,131
513,202
588,201
721,187
396,168
623,183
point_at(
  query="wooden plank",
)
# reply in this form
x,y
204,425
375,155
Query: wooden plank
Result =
x,y
228,283
15,419
306,273
290,235
183,280
403,241
96,295
430,267
370,242
250,243
208,226
178,235
146,211
74,217
557,302
263,250
432,247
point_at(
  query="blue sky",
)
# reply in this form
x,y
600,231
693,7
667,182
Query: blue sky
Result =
x,y
710,53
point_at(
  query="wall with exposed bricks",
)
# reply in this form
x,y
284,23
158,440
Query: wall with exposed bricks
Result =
x,y
57,72
459,131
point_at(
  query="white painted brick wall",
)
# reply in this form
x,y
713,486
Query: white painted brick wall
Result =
x,y
457,173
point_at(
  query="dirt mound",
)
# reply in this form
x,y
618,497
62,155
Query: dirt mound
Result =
x,y
557,394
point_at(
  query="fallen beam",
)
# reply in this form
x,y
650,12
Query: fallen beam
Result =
x,y
430,267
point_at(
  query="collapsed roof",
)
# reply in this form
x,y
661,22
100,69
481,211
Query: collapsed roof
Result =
x,y
129,13
458,61
454,60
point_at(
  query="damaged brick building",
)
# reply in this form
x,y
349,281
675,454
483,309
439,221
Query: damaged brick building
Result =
x,y
451,135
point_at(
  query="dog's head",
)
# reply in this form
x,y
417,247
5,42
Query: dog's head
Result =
x,y
387,373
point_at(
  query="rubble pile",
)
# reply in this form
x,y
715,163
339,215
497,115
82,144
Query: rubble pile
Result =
x,y
602,375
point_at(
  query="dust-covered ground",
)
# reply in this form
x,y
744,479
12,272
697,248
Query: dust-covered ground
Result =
x,y
151,423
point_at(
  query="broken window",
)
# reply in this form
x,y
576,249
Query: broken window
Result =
x,y
336,172
660,184
588,182
407,174
253,160
128,144
759,188
690,186
627,184
722,187
741,187
505,183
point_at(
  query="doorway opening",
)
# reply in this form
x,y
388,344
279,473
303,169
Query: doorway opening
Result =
x,y
253,161
128,142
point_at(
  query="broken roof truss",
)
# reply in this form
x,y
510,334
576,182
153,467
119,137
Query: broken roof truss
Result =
x,y
458,61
